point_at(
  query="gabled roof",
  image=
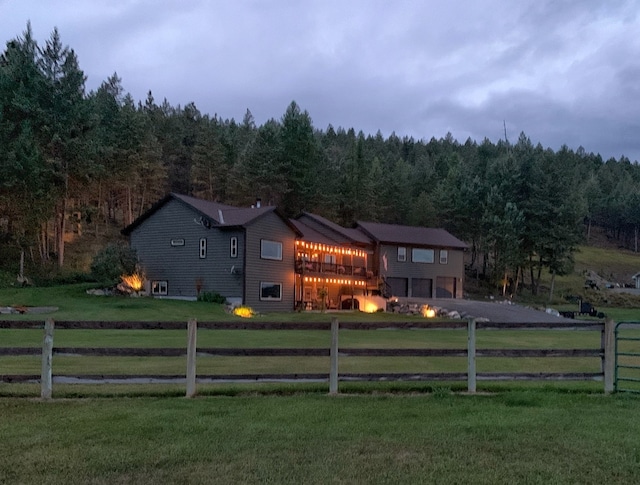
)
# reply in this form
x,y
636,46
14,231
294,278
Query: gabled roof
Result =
x,y
309,234
411,235
351,235
218,215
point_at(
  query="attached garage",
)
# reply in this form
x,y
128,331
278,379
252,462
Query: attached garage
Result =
x,y
399,286
421,287
445,287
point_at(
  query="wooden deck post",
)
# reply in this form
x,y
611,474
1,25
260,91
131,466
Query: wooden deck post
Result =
x,y
609,356
192,327
46,378
333,375
471,355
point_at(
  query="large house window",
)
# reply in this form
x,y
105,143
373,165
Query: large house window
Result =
x,y
270,249
159,288
270,291
402,254
203,248
422,255
444,256
234,247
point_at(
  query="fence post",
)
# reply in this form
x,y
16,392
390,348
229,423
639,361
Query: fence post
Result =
x,y
333,375
46,379
609,356
471,355
192,326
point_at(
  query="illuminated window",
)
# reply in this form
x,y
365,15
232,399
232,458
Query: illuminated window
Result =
x,y
422,255
203,248
270,249
234,247
270,291
402,254
159,288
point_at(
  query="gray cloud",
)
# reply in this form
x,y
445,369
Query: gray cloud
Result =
x,y
562,71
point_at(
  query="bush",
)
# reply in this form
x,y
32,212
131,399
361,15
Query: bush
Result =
x,y
112,262
211,297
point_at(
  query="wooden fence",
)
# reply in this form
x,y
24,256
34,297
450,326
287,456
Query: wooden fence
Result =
x,y
606,352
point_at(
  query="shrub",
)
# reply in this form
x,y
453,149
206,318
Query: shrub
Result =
x,y
114,260
211,297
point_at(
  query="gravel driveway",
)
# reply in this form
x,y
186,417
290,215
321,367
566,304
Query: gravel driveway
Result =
x,y
493,311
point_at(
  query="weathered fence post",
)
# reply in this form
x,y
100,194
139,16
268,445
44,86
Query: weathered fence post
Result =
x,y
46,378
192,327
471,355
333,375
609,355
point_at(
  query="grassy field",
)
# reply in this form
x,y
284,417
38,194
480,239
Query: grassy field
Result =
x,y
510,437
411,432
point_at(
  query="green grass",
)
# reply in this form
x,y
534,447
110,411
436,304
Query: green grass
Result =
x,y
510,437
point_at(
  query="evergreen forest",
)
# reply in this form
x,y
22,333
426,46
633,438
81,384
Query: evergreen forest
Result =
x,y
72,160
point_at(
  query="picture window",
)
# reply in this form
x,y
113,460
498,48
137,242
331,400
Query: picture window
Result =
x,y
422,255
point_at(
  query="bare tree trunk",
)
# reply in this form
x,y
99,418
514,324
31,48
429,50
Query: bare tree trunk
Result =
x,y
517,283
553,284
129,215
62,227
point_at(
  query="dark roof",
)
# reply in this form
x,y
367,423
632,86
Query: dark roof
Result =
x,y
219,215
411,235
352,235
309,234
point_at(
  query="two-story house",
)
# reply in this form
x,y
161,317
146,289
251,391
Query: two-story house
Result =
x,y
187,245
257,257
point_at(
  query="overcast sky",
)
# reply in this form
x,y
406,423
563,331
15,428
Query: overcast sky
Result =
x,y
562,71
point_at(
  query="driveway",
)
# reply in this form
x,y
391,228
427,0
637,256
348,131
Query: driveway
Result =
x,y
492,311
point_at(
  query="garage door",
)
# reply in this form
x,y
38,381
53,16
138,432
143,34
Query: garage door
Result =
x,y
421,287
398,286
445,287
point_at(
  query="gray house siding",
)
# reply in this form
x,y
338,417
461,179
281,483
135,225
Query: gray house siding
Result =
x,y
410,271
258,270
180,264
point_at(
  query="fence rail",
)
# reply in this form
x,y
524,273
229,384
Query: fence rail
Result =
x,y
606,353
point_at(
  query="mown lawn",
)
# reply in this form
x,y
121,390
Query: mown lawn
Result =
x,y
509,437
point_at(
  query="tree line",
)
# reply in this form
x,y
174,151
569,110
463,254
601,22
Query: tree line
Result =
x,y
101,158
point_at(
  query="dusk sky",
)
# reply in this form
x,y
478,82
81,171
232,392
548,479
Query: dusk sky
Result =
x,y
561,71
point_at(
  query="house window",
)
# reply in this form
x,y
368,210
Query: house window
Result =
x,y
422,255
234,247
444,256
270,249
402,254
270,291
203,248
159,288
177,242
